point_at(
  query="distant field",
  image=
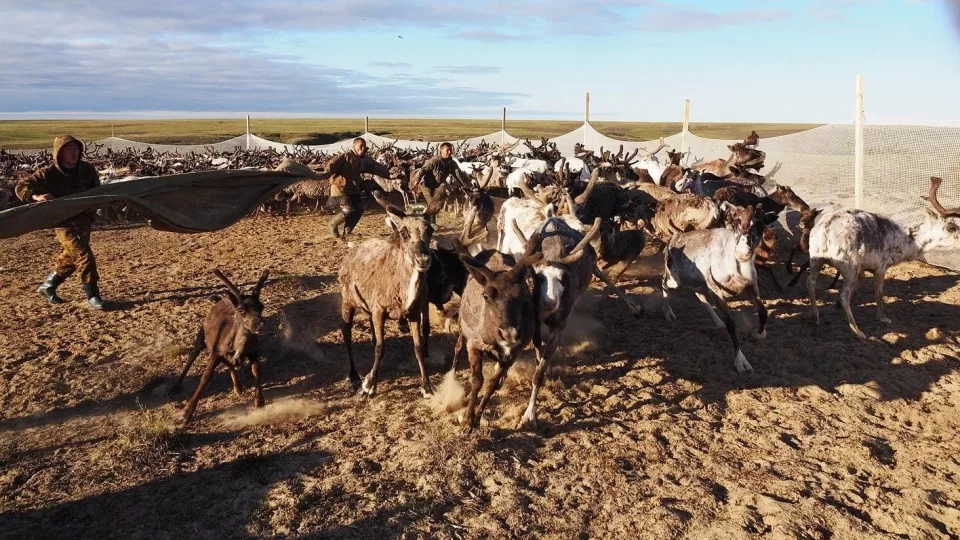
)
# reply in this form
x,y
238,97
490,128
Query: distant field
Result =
x,y
17,134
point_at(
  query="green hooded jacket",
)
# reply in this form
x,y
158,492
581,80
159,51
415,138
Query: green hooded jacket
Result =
x,y
56,181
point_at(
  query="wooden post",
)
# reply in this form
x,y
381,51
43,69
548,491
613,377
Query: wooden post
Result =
x,y
586,117
248,132
366,124
686,125
858,147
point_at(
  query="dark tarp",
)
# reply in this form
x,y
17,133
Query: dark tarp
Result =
x,y
185,203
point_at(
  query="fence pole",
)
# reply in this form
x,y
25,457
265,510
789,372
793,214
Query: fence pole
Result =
x,y
366,124
858,147
503,126
586,117
686,126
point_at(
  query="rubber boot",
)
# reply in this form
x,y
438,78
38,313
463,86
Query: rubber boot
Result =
x,y
49,288
93,296
335,224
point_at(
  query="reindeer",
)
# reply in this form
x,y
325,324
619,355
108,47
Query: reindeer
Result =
x,y
498,318
718,265
854,240
231,329
740,156
387,278
807,220
563,275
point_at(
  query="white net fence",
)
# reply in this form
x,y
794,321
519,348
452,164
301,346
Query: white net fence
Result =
x,y
898,161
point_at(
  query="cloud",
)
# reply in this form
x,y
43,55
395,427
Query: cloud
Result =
x,y
390,65
156,75
488,35
671,18
475,70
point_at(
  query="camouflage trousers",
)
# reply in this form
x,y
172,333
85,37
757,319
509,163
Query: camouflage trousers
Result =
x,y
76,255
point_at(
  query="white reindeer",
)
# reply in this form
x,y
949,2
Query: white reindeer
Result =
x,y
853,241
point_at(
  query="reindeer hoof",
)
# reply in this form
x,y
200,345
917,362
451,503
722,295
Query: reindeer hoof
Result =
x,y
367,388
885,320
527,422
741,363
426,391
760,335
670,316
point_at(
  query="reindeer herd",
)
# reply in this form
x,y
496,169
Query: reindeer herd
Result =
x,y
537,227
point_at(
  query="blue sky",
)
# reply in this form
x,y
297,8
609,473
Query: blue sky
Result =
x,y
736,60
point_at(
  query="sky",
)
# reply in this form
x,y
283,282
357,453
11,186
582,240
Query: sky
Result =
x,y
737,61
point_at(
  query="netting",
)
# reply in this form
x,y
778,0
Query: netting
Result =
x,y
818,164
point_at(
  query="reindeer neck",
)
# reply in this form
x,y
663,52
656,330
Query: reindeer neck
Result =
x,y
916,242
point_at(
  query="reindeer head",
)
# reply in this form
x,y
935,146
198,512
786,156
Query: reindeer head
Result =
x,y
675,156
942,226
785,196
413,232
248,310
808,218
748,158
509,308
747,223
553,273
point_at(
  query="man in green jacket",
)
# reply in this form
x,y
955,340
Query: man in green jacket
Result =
x,y
347,184
69,174
436,170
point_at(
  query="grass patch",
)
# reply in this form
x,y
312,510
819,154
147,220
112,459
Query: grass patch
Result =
x,y
149,439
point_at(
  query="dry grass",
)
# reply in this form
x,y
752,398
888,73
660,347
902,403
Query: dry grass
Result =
x,y
148,439
17,134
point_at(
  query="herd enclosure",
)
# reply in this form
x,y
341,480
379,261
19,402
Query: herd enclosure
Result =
x,y
645,427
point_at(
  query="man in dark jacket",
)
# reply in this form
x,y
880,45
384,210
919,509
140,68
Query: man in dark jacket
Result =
x,y
69,174
347,184
436,170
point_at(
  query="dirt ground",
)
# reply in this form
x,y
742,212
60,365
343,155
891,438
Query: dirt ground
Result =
x,y
646,430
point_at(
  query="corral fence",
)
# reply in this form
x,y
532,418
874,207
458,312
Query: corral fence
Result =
x,y
883,168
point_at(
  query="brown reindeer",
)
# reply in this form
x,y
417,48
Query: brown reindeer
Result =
x,y
387,278
230,334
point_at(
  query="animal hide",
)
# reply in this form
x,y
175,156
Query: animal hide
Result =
x,y
184,203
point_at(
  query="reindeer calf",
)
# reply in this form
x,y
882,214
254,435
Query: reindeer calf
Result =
x,y
230,330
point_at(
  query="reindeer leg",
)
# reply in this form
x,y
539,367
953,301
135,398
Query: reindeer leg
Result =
x,y
369,384
494,384
850,279
713,314
544,355
878,277
476,383
789,263
636,310
198,345
255,370
815,266
347,313
207,373
417,331
833,284
761,331
739,360
796,278
457,353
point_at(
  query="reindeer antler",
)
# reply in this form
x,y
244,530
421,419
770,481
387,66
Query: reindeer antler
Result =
x,y
932,197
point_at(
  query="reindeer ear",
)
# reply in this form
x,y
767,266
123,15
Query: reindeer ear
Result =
x,y
481,273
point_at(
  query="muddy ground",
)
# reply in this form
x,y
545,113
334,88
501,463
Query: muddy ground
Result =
x,y
646,430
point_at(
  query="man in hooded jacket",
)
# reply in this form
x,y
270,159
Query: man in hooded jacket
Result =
x,y
69,174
